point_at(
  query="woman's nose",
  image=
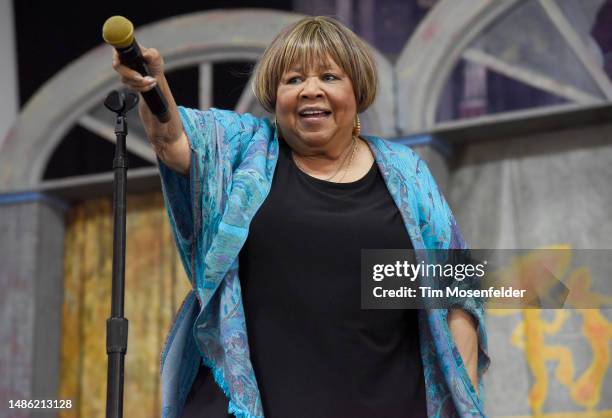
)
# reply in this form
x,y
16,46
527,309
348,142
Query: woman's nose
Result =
x,y
312,88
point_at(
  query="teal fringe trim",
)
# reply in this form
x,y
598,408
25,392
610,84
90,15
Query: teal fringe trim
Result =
x,y
232,408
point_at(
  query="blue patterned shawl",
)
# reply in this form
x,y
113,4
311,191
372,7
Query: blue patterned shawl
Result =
x,y
233,161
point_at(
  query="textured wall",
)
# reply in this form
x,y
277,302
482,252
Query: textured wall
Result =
x,y
8,69
155,286
542,190
30,303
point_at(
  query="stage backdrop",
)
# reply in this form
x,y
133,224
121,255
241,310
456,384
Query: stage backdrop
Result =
x,y
544,190
155,285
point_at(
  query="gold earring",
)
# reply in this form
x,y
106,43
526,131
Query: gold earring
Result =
x,y
357,127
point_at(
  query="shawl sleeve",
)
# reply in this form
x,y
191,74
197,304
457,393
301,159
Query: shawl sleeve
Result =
x,y
217,139
195,203
441,224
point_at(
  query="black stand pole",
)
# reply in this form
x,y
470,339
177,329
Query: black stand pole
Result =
x,y
117,325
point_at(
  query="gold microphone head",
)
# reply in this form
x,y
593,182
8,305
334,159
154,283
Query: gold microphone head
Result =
x,y
118,32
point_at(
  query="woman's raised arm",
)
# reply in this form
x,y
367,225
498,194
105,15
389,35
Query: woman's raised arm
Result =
x,y
168,139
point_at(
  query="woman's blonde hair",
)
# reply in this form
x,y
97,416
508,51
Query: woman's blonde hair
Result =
x,y
308,43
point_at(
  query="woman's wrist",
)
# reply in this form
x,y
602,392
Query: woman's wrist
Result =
x,y
463,327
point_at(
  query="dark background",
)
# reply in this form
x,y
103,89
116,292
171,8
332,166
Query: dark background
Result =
x,y
49,36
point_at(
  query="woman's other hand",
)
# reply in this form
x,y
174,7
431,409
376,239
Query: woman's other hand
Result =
x,y
463,328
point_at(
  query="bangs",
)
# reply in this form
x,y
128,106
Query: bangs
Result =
x,y
311,44
310,48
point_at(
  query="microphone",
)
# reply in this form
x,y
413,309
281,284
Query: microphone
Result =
x,y
119,33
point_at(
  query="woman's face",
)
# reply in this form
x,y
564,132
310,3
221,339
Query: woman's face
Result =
x,y
316,106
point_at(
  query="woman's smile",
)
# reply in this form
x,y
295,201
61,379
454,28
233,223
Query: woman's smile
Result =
x,y
314,116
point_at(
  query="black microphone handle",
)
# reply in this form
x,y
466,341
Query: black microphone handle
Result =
x,y
131,56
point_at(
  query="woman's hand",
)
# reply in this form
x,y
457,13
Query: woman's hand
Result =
x,y
463,328
133,79
168,139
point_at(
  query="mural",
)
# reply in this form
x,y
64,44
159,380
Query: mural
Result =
x,y
542,344
155,286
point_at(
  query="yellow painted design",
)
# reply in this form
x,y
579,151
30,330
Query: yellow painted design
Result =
x,y
530,336
155,285
586,390
595,414
530,272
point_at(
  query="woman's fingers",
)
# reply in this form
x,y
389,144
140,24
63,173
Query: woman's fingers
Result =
x,y
138,82
115,59
131,78
154,61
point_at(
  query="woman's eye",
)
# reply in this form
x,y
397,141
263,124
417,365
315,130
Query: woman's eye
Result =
x,y
294,80
329,77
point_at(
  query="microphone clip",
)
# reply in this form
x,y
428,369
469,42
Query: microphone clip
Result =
x,y
120,102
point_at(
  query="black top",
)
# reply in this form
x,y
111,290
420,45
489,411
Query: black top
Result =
x,y
315,352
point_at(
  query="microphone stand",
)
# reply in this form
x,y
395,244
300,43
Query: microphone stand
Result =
x,y
117,325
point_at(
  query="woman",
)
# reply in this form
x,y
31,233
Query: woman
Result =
x,y
269,219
